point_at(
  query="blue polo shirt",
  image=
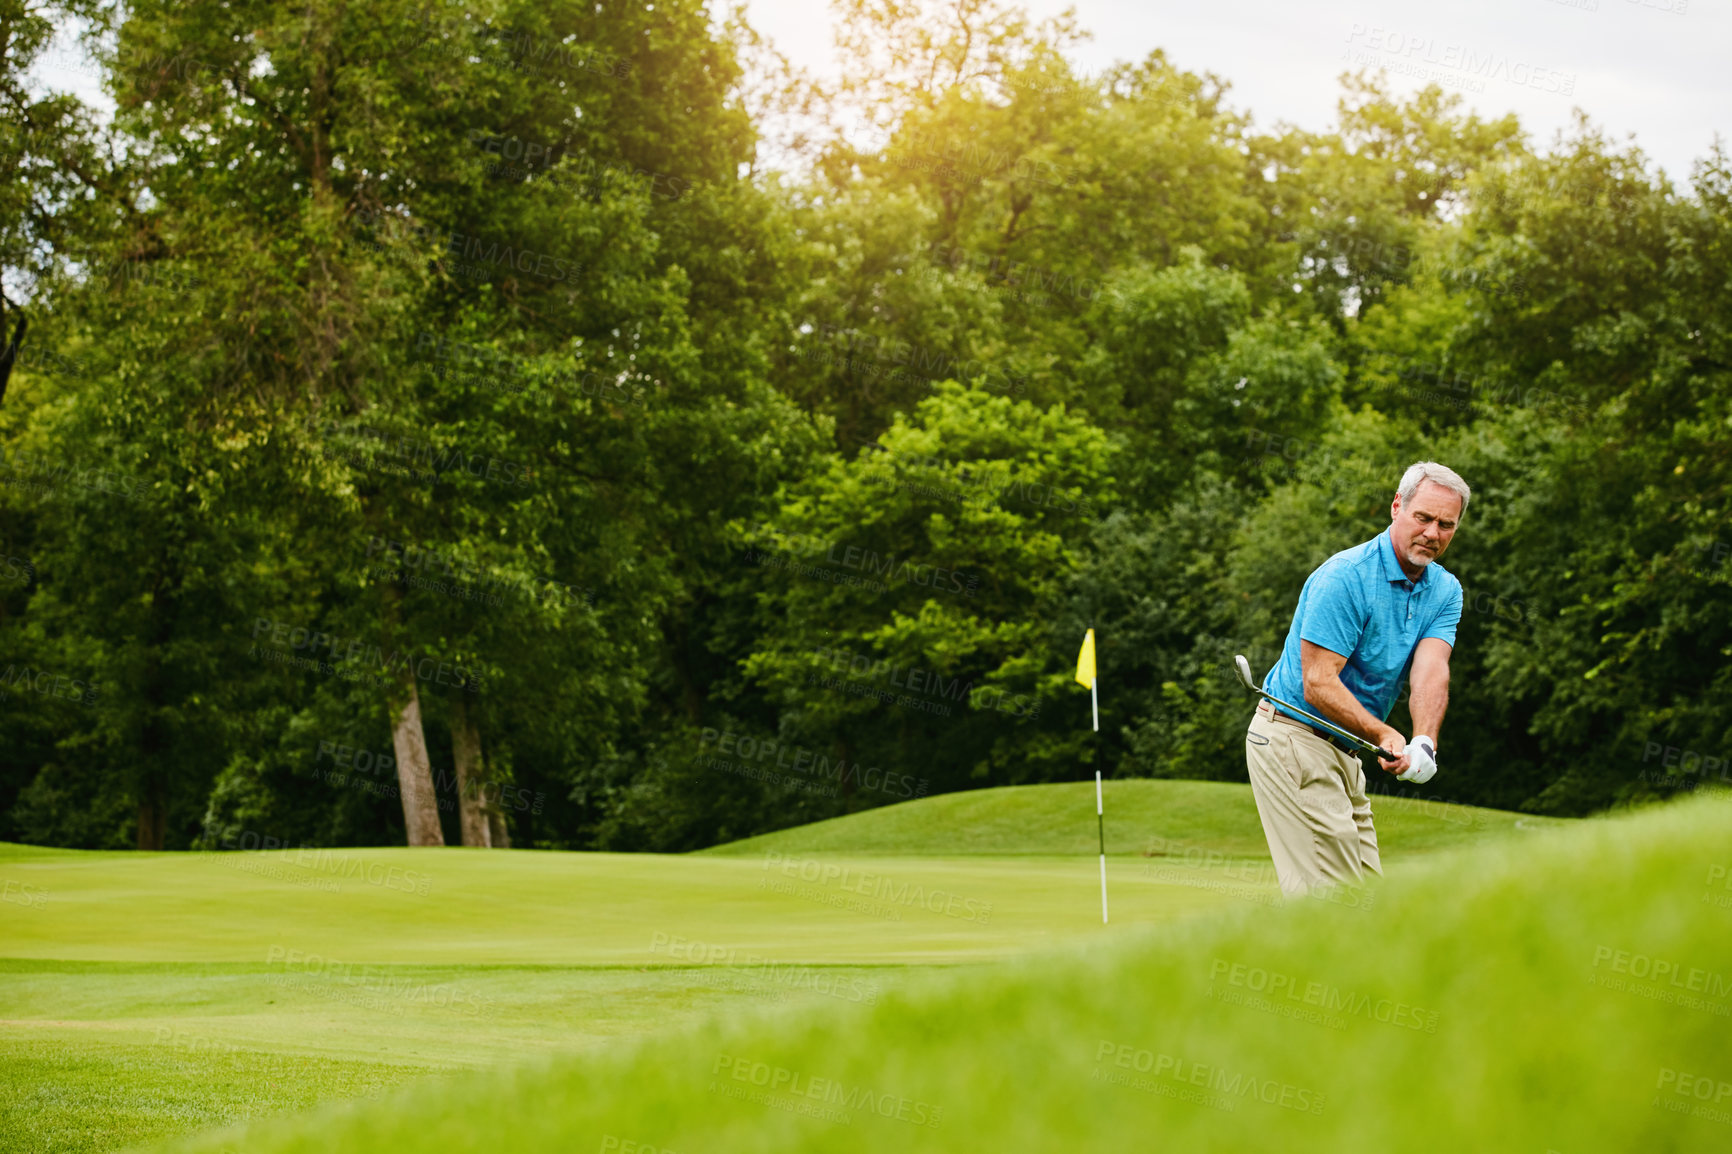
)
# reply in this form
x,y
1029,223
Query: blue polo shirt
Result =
x,y
1361,605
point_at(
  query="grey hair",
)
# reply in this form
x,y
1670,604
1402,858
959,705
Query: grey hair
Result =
x,y
1423,471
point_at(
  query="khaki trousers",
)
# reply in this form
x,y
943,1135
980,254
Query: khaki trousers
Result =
x,y
1311,799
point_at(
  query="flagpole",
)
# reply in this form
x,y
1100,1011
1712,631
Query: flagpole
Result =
x,y
1100,809
1100,826
1085,668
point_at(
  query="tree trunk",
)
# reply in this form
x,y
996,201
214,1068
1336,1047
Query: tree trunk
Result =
x,y
500,836
153,758
414,770
9,349
152,812
155,753
472,805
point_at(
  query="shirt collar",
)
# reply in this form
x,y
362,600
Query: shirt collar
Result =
x,y
1392,570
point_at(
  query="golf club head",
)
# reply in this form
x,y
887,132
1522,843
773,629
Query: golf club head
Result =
x,y
1244,670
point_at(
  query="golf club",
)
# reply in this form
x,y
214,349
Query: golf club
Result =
x,y
1244,669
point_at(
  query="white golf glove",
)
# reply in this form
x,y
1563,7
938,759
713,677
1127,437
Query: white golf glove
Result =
x,y
1421,761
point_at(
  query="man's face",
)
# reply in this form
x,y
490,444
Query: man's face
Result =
x,y
1422,528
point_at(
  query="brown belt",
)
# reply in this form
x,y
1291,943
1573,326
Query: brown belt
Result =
x,y
1274,714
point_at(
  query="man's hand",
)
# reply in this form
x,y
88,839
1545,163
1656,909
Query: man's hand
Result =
x,y
1422,760
1391,742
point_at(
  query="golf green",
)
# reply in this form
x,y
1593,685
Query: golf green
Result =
x,y
148,995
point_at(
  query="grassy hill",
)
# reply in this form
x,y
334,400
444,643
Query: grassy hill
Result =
x,y
1024,851
1143,817
1565,991
455,907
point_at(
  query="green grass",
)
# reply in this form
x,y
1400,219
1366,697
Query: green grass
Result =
x,y
1477,1007
100,1055
491,908
144,996
1141,816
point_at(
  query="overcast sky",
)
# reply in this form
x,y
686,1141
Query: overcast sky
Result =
x,y
1661,69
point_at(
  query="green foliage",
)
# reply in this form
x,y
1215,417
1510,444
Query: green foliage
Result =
x,y
489,338
906,584
1367,202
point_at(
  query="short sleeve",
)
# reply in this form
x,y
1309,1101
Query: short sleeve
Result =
x,y
1444,624
1335,614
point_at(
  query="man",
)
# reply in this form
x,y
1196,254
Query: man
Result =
x,y
1366,617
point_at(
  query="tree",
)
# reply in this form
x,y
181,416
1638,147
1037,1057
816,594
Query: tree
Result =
x,y
51,155
910,588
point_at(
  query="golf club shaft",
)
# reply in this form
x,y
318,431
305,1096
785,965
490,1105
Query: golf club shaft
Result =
x,y
1329,725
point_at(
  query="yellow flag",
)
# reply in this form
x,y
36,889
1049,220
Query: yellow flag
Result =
x,y
1085,661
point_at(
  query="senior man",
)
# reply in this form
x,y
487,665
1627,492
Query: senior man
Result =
x,y
1366,617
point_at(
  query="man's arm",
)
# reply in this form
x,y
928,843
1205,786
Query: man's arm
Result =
x,y
1325,693
1429,679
